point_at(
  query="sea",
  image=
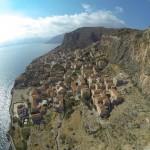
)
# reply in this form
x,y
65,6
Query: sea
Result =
x,y
13,61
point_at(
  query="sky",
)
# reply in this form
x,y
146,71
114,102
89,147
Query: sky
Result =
x,y
21,19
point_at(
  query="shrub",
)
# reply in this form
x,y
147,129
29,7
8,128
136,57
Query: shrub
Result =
x,y
21,146
26,133
86,99
20,123
63,138
68,107
48,117
15,119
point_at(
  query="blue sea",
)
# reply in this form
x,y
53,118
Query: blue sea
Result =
x,y
13,61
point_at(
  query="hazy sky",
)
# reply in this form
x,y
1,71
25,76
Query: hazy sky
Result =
x,y
47,18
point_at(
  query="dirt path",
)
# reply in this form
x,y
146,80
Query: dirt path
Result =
x,y
59,125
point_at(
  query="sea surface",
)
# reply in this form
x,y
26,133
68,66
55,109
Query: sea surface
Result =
x,y
13,60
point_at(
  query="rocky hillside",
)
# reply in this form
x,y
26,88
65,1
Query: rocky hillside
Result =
x,y
91,92
127,47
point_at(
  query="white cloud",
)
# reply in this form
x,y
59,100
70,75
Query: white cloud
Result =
x,y
119,9
87,7
14,27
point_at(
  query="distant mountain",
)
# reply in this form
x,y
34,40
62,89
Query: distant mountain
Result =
x,y
53,40
24,41
56,39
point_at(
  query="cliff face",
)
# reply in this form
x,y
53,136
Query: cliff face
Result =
x,y
83,37
130,50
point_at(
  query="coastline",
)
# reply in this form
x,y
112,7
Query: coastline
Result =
x,y
12,99
13,89
16,94
12,146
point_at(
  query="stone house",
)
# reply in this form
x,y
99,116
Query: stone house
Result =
x,y
98,103
74,86
58,103
36,118
115,97
50,92
85,91
108,83
22,112
118,81
102,105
